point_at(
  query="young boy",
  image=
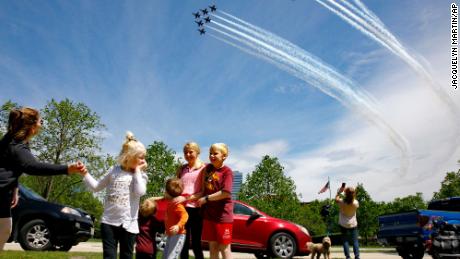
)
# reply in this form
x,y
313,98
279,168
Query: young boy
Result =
x,y
148,224
175,219
217,203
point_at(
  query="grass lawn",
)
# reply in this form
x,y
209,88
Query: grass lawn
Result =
x,y
54,255
49,255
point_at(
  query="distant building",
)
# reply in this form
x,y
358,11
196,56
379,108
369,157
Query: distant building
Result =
x,y
237,181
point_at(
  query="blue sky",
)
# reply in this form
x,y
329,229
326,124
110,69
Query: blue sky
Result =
x,y
142,66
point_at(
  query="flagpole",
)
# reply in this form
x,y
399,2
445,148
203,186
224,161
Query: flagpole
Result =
x,y
328,223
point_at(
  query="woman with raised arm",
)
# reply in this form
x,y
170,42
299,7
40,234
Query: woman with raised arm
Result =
x,y
348,205
16,159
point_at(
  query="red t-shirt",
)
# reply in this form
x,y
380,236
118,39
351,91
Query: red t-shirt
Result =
x,y
145,240
215,180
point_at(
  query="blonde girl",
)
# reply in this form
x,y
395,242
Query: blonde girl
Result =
x,y
124,185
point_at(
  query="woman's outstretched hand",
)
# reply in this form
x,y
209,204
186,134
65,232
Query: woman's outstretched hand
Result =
x,y
77,168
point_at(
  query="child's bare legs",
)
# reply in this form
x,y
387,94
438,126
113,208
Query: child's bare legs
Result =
x,y
213,250
226,251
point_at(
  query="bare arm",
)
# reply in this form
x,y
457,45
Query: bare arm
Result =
x,y
220,195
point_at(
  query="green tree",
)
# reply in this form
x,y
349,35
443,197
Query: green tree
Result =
x,y
450,186
268,189
162,164
71,132
407,203
367,214
4,114
311,217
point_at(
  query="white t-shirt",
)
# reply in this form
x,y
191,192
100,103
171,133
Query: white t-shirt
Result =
x,y
347,214
122,197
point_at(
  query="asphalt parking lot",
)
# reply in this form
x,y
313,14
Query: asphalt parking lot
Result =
x,y
336,252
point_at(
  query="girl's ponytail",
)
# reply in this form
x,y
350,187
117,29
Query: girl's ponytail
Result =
x,y
21,121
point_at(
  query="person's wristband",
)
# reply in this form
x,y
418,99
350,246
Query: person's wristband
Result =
x,y
206,198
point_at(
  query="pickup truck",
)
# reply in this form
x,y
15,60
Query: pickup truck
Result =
x,y
411,232
445,240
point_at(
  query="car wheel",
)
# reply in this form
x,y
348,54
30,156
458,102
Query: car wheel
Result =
x,y
160,240
283,245
35,235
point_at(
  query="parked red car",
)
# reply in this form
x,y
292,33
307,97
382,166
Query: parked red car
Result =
x,y
258,233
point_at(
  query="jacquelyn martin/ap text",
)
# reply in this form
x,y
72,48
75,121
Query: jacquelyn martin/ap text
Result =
x,y
454,43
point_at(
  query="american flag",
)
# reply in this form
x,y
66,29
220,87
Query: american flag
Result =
x,y
325,188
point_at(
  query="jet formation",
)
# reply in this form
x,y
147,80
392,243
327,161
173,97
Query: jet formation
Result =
x,y
202,17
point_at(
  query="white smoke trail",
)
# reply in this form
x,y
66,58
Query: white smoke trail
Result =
x,y
361,6
314,72
353,23
371,26
369,16
288,47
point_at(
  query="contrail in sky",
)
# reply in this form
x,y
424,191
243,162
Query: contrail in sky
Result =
x,y
360,17
306,67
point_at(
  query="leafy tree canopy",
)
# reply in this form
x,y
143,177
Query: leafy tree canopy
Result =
x,y
407,203
450,186
4,114
162,164
71,132
268,189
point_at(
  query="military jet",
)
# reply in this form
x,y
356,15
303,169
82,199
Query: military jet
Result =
x,y
213,8
202,31
207,19
197,15
204,11
199,23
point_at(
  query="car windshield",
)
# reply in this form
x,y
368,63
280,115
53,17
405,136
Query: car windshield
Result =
x,y
30,194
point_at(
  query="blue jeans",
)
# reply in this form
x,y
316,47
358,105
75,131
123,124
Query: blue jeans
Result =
x,y
350,235
174,245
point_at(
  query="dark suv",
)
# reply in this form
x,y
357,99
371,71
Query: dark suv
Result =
x,y
41,225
